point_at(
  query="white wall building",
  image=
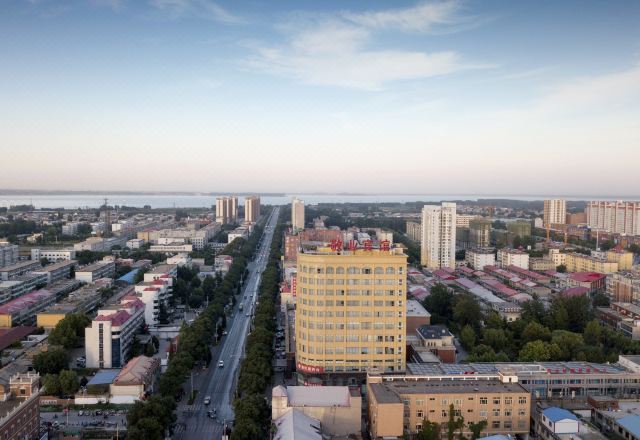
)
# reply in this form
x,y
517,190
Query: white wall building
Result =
x,y
297,214
513,257
438,247
135,243
8,254
617,217
101,269
108,340
53,255
478,258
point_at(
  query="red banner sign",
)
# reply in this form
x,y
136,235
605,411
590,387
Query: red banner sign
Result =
x,y
309,368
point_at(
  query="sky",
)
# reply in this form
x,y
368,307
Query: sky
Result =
x,y
406,97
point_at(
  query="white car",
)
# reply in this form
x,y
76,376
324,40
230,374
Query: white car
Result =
x,y
220,364
207,400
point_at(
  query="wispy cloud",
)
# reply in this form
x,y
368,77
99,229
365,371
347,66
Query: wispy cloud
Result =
x,y
337,49
422,17
204,9
115,5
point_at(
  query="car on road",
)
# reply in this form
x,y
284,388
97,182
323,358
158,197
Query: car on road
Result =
x,y
247,315
220,364
211,413
224,333
207,400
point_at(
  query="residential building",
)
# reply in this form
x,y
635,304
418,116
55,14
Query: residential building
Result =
x,y
351,313
480,233
585,263
557,257
594,281
222,216
135,243
462,220
399,405
135,381
541,264
623,258
507,310
624,286
70,228
15,270
417,316
438,247
112,331
478,258
92,272
513,257
555,212
153,294
20,412
240,232
84,300
621,316
57,271
414,231
251,209
615,217
174,248
53,255
232,208
21,285
297,214
8,254
337,408
22,310
100,244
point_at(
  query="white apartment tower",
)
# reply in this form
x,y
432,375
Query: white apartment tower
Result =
x,y
617,217
297,214
221,211
438,236
555,211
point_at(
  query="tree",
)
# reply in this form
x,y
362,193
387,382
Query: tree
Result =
x,y
69,330
569,343
600,300
592,333
148,428
68,382
477,428
496,338
149,350
468,337
539,351
454,424
535,331
439,303
561,268
51,362
467,310
429,431
51,383
558,317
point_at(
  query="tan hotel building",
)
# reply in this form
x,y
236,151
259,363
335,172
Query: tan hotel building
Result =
x,y
398,406
350,314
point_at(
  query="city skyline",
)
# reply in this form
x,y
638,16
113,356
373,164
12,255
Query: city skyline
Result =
x,y
191,95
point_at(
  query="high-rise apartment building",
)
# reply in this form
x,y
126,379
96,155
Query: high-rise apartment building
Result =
x,y
555,212
438,236
251,209
221,211
227,209
616,217
8,254
297,214
480,233
350,313
414,231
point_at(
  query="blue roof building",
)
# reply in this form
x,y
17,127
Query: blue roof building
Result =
x,y
631,424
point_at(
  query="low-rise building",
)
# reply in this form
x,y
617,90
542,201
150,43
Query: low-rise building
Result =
x,y
513,257
52,255
173,248
594,281
136,380
15,270
417,316
21,285
58,271
84,300
9,254
337,408
399,405
621,316
478,258
102,269
135,243
438,340
585,263
23,310
507,310
100,244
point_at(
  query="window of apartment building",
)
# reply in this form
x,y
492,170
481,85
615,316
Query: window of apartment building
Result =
x,y
496,401
483,414
330,270
483,401
522,400
390,270
444,402
496,412
522,424
457,401
522,412
419,402
353,270
366,270
495,424
329,281
508,400
507,412
445,413
507,424
340,270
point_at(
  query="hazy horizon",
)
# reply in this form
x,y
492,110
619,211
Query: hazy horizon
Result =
x,y
409,97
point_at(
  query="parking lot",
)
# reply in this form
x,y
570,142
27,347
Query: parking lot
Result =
x,y
85,418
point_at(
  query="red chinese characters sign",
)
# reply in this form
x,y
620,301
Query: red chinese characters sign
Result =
x,y
309,368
